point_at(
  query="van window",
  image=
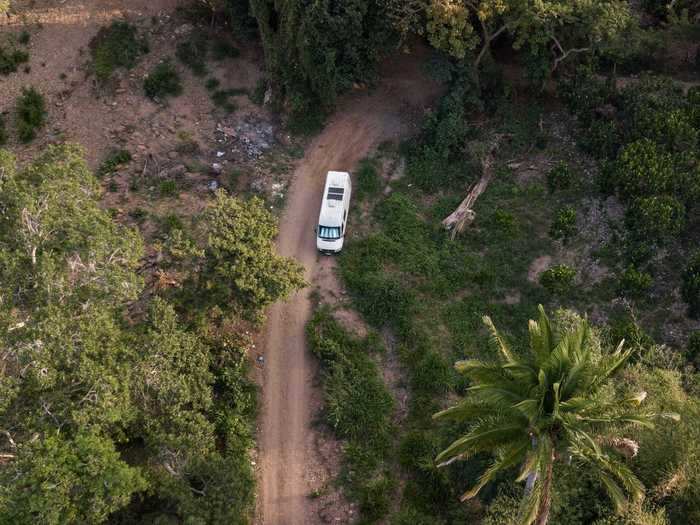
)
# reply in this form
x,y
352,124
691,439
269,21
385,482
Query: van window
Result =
x,y
329,233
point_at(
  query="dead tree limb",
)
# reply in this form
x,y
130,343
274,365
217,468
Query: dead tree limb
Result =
x,y
464,215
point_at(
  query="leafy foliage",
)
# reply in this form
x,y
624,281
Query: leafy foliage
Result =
x,y
564,225
11,58
558,279
114,160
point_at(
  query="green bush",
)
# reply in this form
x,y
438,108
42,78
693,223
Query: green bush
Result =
x,y
558,279
559,177
655,219
564,226
223,49
3,131
221,97
163,82
114,159
24,37
368,182
193,53
212,83
504,222
690,289
693,348
634,283
642,169
115,46
601,139
10,60
31,114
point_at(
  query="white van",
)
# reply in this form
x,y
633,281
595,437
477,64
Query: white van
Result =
x,y
333,218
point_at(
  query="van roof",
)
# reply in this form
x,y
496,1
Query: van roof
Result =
x,y
337,183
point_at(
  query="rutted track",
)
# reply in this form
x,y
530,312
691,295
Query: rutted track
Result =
x,y
286,448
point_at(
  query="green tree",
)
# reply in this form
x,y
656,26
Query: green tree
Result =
x,y
553,404
642,169
58,480
241,264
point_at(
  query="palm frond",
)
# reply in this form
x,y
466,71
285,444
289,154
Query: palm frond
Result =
x,y
486,435
497,340
468,409
509,458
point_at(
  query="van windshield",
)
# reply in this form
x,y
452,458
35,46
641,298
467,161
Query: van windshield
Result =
x,y
329,233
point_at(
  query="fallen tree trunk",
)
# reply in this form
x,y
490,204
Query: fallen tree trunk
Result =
x,y
464,215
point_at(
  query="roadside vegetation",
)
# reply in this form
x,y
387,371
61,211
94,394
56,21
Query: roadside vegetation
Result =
x,y
135,400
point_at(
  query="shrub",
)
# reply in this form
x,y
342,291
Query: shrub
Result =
x,y
24,37
220,98
655,219
634,283
223,49
115,46
690,289
559,177
167,188
693,348
3,131
162,82
212,83
114,159
31,114
10,59
258,94
642,169
368,181
558,279
193,53
382,299
564,226
601,139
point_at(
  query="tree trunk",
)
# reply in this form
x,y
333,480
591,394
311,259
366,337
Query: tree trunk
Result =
x,y
546,501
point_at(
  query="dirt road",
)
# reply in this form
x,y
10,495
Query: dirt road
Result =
x,y
286,440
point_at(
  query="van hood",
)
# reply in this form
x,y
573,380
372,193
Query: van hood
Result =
x,y
333,246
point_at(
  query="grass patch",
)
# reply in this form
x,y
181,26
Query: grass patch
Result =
x,y
116,46
358,406
162,82
31,114
167,188
193,53
368,182
114,160
24,37
258,94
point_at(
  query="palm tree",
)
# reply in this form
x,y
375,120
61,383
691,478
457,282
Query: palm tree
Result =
x,y
555,404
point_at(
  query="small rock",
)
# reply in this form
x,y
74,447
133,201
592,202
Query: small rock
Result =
x,y
217,168
213,185
172,155
219,153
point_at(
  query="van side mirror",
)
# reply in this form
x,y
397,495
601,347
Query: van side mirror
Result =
x,y
315,229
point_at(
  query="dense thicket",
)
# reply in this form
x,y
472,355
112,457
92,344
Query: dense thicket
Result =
x,y
316,50
107,413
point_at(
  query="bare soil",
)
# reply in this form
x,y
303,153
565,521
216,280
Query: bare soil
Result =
x,y
291,457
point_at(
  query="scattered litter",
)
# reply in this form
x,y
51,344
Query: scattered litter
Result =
x,y
213,185
219,153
